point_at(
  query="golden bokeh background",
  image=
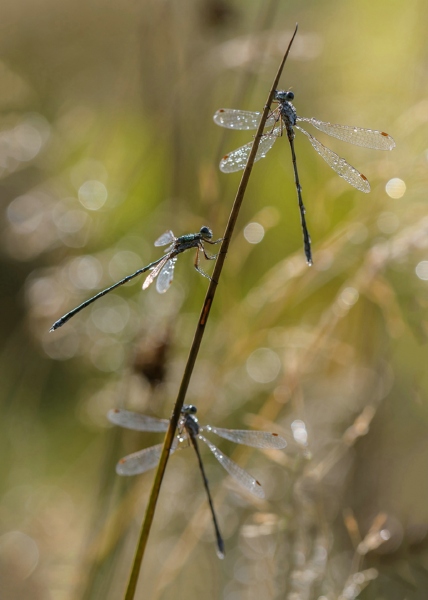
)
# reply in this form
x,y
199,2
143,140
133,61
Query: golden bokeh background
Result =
x,y
106,141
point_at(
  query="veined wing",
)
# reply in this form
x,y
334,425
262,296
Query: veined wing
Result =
x,y
256,439
232,118
241,476
155,272
136,421
166,276
166,238
369,138
237,159
142,461
342,168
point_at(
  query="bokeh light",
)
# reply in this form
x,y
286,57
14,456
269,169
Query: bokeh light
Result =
x,y
395,188
85,272
422,270
254,233
388,222
93,194
263,365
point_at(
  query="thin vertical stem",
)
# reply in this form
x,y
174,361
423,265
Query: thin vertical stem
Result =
x,y
197,339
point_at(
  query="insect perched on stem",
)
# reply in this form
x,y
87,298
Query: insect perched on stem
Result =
x,y
285,117
190,430
162,268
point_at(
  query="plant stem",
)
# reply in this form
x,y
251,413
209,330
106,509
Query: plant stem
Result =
x,y
197,339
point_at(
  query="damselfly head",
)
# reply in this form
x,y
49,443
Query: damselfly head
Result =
x,y
283,96
206,232
189,409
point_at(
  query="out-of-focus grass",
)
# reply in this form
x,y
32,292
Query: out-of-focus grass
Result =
x,y
123,96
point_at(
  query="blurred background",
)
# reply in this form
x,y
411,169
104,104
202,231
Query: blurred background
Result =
x,y
106,141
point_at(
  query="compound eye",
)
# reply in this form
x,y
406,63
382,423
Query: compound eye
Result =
x,y
206,232
192,409
290,96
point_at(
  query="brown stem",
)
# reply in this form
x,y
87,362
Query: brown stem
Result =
x,y
197,339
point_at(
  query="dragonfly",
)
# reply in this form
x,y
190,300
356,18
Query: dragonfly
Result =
x,y
285,117
189,430
162,268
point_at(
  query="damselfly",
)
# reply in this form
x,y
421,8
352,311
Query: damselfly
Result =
x,y
285,117
190,430
162,268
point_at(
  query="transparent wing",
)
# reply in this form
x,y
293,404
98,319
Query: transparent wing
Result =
x,y
136,421
166,276
256,439
342,168
155,272
166,238
231,118
241,476
369,138
237,159
142,461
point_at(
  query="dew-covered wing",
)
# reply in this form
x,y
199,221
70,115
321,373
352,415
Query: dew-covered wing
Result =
x,y
154,272
166,276
338,164
256,439
369,138
141,461
241,476
232,118
136,421
166,238
237,159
